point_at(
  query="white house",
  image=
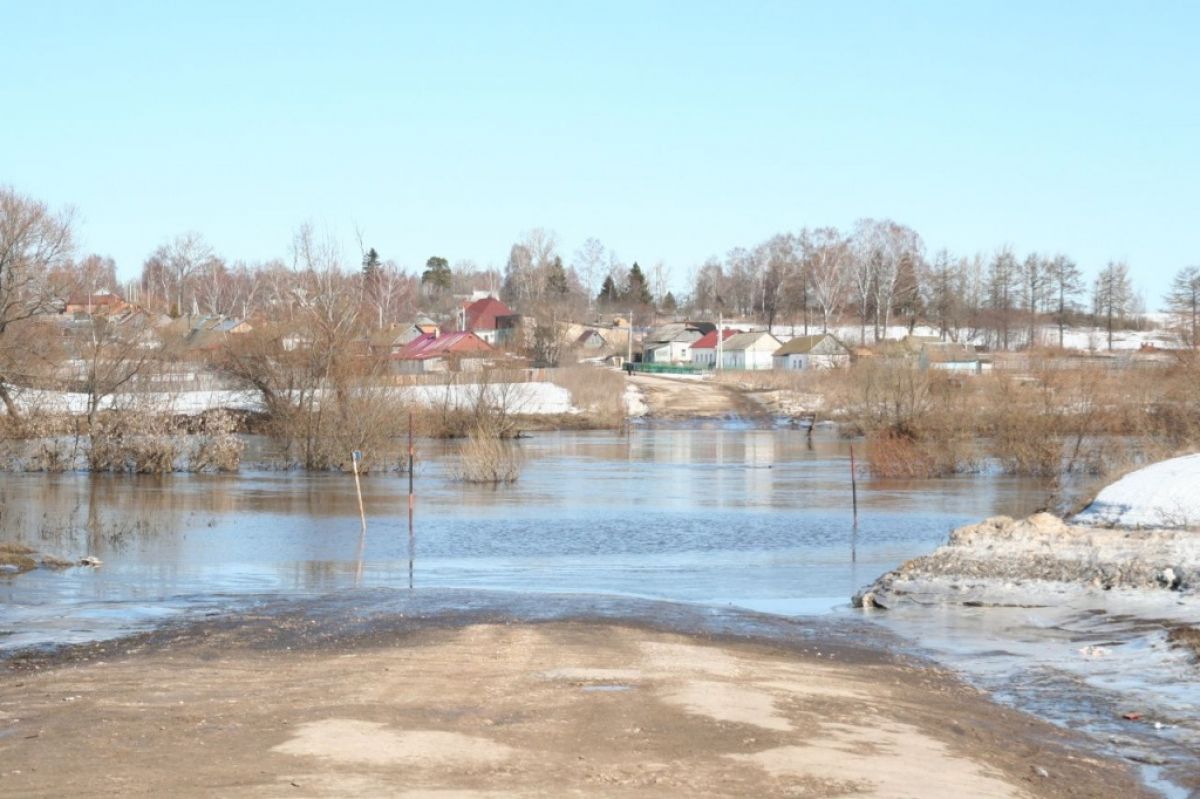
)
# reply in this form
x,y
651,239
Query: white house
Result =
x,y
704,350
749,350
821,351
670,343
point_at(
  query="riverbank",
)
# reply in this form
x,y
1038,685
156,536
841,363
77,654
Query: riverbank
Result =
x,y
374,694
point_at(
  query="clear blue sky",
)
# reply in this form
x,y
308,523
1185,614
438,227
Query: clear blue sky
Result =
x,y
669,131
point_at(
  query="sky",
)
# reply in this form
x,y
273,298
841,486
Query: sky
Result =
x,y
669,131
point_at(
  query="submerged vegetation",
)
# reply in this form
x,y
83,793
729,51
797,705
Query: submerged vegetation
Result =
x,y
1046,422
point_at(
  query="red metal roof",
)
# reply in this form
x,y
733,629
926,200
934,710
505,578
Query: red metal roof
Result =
x,y
709,340
481,314
433,346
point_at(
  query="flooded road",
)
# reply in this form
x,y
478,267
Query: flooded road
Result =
x,y
755,518
720,516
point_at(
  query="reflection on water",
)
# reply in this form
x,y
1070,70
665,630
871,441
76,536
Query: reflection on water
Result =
x,y
754,518
759,518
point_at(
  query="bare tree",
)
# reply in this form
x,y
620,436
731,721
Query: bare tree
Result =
x,y
1065,284
33,241
1183,302
591,262
1002,288
827,254
1112,295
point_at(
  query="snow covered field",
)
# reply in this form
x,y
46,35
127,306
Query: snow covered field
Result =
x,y
1164,494
534,399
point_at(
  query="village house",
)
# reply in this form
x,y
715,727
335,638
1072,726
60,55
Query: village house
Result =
x,y
590,340
100,303
490,320
393,339
672,343
704,350
947,356
820,351
751,351
444,352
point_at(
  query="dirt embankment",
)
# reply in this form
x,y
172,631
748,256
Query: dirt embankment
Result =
x,y
498,710
693,398
1004,562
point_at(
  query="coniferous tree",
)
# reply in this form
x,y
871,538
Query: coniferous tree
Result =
x,y
669,303
637,290
437,276
556,278
609,295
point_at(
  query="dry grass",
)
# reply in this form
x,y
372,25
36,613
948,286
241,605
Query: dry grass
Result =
x,y
487,459
1186,638
16,557
1045,422
598,391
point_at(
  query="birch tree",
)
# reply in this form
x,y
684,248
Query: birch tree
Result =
x,y
827,256
33,241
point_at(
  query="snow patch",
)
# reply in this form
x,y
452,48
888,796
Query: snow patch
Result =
x,y
635,401
1164,494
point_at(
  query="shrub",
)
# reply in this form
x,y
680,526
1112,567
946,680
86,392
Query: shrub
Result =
x,y
487,459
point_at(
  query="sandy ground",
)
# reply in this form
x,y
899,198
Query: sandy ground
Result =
x,y
567,708
691,398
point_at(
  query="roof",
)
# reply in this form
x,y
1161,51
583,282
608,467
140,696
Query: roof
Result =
x,y
429,345
803,345
587,334
744,341
483,314
675,331
100,298
709,340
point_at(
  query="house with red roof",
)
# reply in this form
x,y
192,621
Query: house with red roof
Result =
x,y
444,352
704,350
489,319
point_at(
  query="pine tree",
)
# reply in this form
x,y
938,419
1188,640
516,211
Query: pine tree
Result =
x,y
556,278
609,295
637,290
669,304
437,276
370,264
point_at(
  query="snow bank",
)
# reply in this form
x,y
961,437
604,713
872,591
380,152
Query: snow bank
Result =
x,y
635,402
534,399
1164,494
1040,560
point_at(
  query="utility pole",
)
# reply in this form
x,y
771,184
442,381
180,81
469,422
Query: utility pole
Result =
x,y
720,342
629,355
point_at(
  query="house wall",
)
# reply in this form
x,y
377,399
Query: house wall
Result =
x,y
703,357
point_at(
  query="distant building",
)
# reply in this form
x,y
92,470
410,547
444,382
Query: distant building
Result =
x,y
102,303
821,351
751,351
447,352
489,319
704,349
671,343
590,340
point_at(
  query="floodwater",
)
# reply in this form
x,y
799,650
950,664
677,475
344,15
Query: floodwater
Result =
x,y
719,515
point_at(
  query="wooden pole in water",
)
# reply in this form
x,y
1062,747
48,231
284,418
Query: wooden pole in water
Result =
x,y
854,502
411,502
362,514
854,484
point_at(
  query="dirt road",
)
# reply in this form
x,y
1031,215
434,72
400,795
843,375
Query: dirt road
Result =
x,y
515,710
692,398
